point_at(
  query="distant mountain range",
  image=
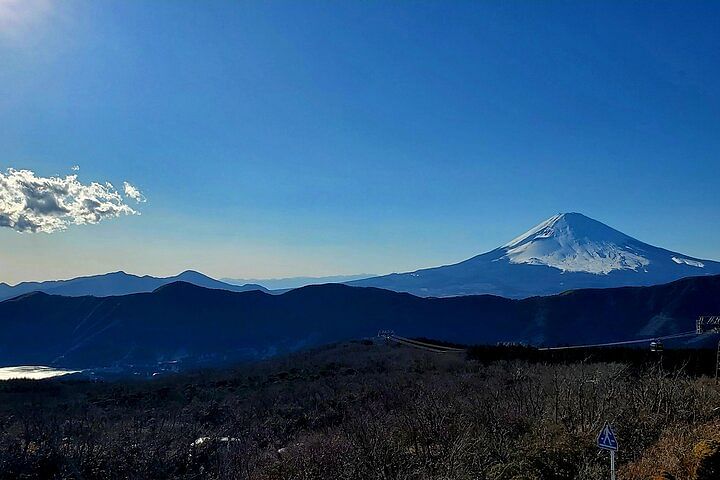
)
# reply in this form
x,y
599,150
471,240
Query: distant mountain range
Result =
x,y
566,252
295,282
117,283
181,320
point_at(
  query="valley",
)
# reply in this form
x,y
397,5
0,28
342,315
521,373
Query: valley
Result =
x,y
370,410
185,323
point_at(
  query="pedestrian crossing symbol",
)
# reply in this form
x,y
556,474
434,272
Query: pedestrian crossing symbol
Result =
x,y
606,440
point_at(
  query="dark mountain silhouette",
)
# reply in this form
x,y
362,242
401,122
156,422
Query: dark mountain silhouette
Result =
x,y
567,251
116,283
181,319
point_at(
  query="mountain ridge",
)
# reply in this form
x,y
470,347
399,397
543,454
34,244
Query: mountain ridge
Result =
x,y
180,320
567,251
116,283
296,282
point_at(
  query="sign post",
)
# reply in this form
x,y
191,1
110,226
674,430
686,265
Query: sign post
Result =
x,y
607,441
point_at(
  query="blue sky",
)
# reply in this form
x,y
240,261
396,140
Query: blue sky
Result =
x,y
287,138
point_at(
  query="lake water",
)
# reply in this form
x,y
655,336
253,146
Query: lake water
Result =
x,y
32,372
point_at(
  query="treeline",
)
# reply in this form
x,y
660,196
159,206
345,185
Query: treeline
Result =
x,y
367,411
692,362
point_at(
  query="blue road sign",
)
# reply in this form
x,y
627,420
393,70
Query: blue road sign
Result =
x,y
606,440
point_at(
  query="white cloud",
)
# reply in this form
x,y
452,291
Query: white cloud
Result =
x,y
75,168
29,203
134,193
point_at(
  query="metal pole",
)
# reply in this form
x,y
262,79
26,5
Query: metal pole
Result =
x,y
612,464
717,363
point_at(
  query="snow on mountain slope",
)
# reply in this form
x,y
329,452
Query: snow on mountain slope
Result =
x,y
575,243
686,261
564,252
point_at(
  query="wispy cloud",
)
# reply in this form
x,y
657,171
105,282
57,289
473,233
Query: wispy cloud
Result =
x,y
134,193
29,203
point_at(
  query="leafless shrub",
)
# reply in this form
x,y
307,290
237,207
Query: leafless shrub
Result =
x,y
371,413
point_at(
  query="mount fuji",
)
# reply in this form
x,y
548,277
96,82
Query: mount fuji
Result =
x,y
565,252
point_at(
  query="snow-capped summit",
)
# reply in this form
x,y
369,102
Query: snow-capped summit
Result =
x,y
566,251
573,242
